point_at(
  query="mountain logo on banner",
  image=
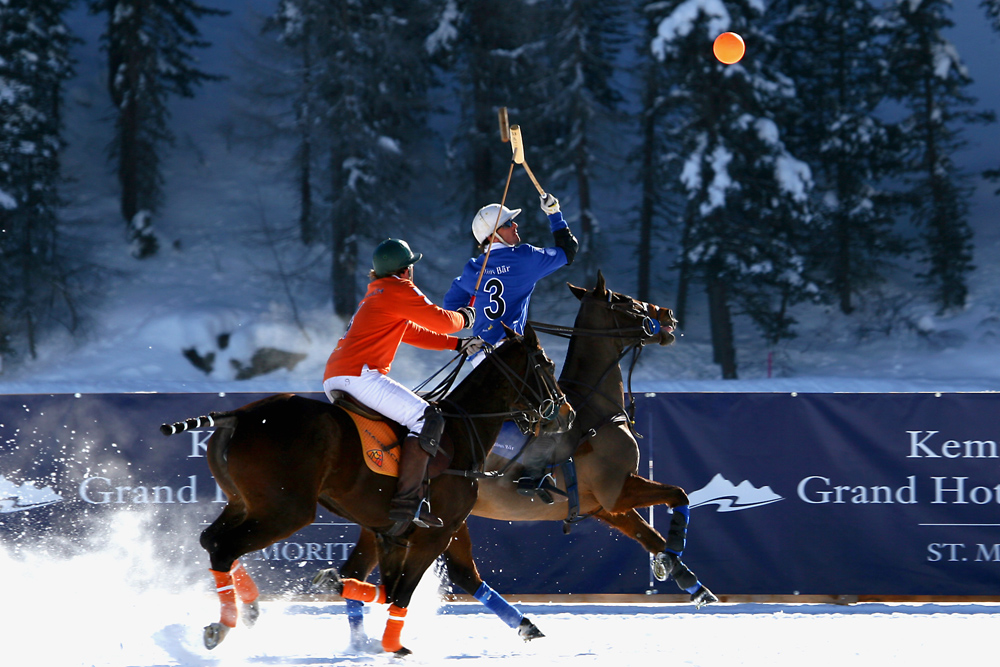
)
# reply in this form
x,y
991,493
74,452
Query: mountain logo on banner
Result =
x,y
732,498
14,498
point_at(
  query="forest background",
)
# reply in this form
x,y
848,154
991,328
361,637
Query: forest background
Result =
x,y
189,194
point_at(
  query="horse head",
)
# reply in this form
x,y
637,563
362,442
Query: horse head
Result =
x,y
538,399
646,322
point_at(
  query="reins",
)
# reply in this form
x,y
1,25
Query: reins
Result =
x,y
548,404
648,329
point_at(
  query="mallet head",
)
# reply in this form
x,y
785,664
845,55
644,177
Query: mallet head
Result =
x,y
504,125
516,144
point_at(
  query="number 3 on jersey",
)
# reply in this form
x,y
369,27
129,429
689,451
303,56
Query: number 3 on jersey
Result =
x,y
497,307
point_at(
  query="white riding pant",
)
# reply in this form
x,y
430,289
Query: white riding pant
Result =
x,y
382,394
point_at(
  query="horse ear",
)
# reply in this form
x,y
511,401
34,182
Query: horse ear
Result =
x,y
530,337
601,289
578,292
508,332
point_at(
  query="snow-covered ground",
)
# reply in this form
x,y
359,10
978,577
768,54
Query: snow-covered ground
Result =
x,y
124,605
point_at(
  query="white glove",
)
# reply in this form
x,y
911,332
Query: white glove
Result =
x,y
549,204
469,346
469,313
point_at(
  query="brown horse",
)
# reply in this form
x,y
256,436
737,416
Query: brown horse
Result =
x,y
605,459
278,457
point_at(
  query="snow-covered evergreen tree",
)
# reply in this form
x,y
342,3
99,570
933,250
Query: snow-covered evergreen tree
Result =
x,y
747,217
493,55
831,49
660,207
573,125
930,80
150,47
368,80
992,8
34,65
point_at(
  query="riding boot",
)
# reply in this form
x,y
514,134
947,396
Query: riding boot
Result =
x,y
406,505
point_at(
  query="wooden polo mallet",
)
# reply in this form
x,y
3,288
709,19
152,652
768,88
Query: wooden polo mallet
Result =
x,y
517,145
506,137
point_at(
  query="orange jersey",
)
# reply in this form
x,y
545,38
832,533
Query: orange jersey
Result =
x,y
393,311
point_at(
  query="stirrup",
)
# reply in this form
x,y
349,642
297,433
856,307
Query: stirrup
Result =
x,y
424,519
528,486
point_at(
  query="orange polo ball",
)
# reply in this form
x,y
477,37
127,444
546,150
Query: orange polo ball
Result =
x,y
729,48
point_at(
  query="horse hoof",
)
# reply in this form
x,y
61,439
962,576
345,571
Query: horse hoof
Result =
x,y
528,631
402,652
363,644
702,597
214,634
250,613
663,564
329,579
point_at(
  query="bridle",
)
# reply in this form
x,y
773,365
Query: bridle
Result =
x,y
646,331
538,402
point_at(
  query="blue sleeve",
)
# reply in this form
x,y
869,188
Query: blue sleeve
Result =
x,y
455,297
557,222
545,260
460,292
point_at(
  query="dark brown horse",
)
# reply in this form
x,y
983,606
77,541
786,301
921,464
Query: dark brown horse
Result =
x,y
605,459
278,457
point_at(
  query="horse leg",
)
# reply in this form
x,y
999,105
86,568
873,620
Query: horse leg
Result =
x,y
666,552
641,492
463,573
402,568
230,536
359,565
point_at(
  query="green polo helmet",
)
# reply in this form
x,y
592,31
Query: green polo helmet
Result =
x,y
393,255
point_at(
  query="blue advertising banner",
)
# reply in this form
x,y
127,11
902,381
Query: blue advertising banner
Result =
x,y
877,494
867,494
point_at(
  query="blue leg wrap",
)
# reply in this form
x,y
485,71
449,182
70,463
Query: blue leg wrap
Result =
x,y
355,614
677,533
508,613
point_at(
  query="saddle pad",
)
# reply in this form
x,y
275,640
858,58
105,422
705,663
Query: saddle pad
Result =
x,y
376,439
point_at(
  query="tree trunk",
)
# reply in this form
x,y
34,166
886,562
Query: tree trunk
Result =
x,y
684,274
344,251
720,318
647,210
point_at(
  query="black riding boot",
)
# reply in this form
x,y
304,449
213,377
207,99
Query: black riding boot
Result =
x,y
416,453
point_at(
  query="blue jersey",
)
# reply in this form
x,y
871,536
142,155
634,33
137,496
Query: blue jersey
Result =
x,y
506,287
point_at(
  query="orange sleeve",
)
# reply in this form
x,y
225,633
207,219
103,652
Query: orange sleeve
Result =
x,y
427,323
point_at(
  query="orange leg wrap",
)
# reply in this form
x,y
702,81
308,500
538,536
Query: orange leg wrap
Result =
x,y
393,629
363,591
246,589
227,597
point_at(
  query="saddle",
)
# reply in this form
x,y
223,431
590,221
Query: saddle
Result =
x,y
381,437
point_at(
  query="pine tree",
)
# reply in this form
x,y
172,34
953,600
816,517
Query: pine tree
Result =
x,y
368,83
661,203
747,218
578,95
494,58
288,71
35,289
930,81
149,45
992,8
833,53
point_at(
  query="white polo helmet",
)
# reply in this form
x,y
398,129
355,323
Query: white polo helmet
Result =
x,y
486,220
